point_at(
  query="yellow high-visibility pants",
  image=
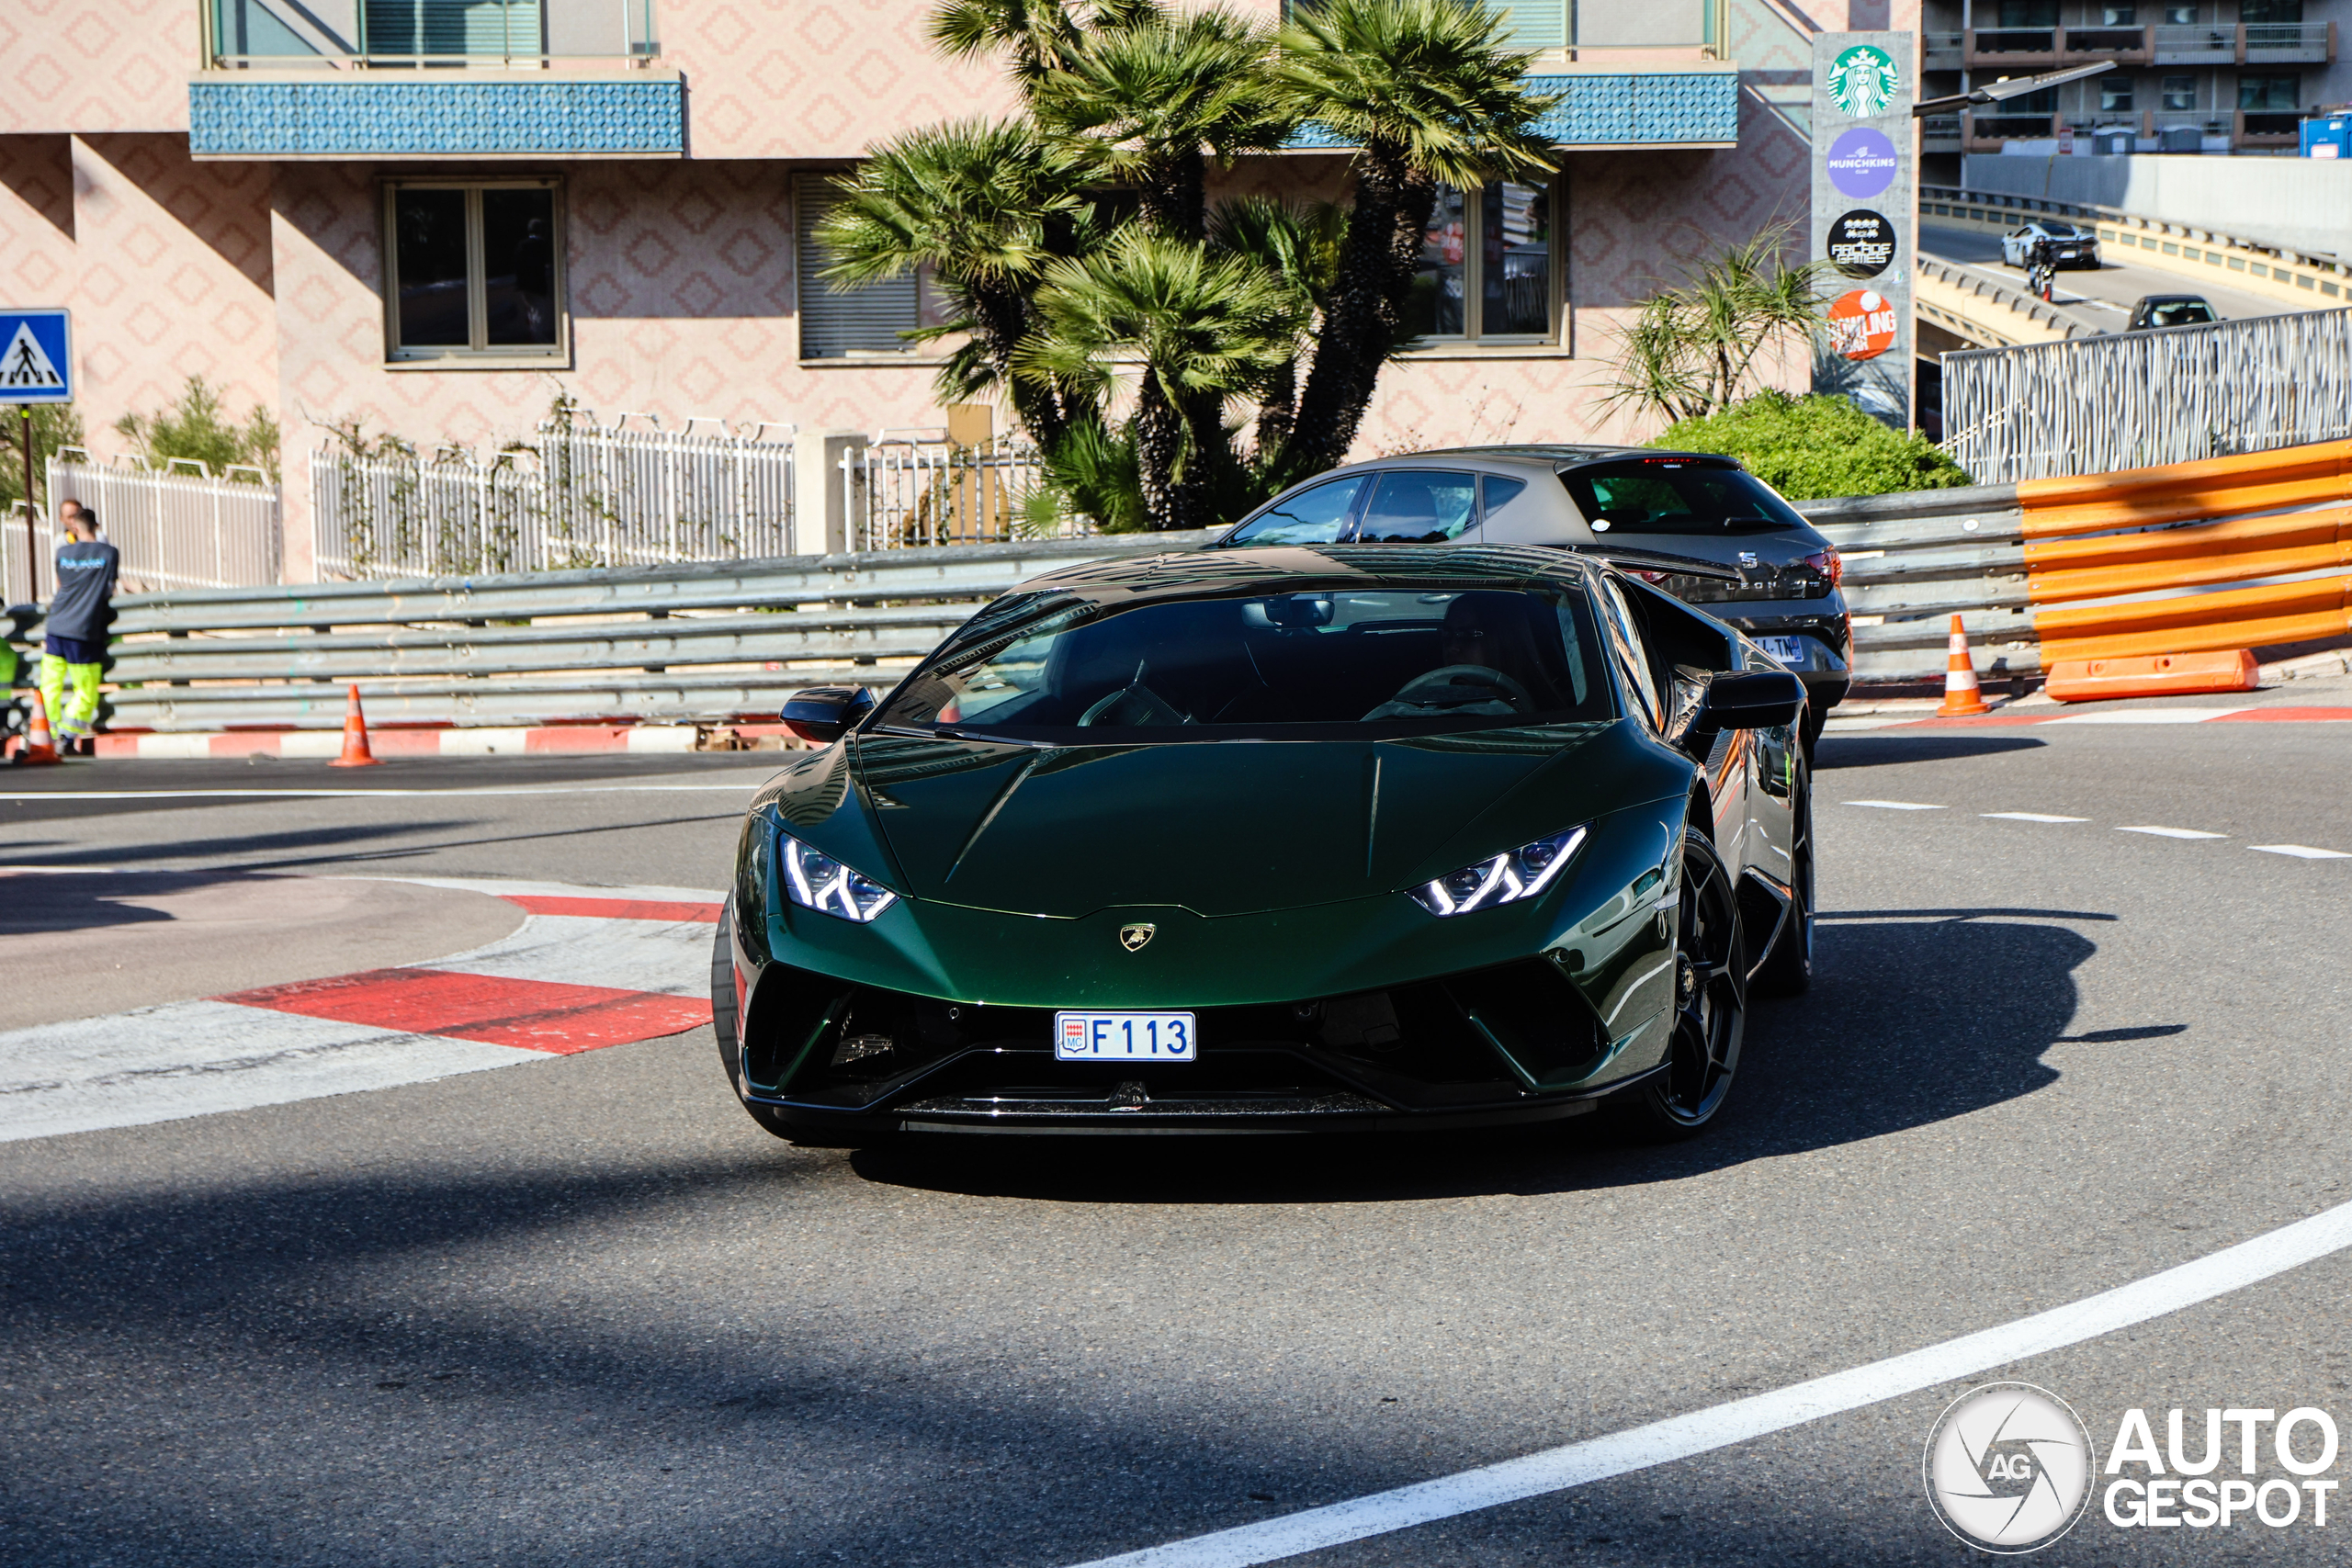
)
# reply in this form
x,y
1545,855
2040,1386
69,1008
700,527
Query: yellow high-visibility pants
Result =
x,y
57,680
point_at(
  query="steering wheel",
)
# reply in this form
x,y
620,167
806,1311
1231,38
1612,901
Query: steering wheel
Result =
x,y
1459,685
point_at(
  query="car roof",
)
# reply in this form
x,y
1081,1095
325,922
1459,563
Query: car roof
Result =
x,y
1280,568
2172,299
1559,458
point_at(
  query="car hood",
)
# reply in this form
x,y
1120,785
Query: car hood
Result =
x,y
1218,828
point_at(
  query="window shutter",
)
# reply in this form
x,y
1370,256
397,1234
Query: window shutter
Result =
x,y
834,322
1534,24
492,27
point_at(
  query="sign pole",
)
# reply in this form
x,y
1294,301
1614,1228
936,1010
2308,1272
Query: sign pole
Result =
x,y
32,544
1865,224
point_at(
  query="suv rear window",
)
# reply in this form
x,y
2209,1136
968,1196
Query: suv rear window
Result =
x,y
1675,495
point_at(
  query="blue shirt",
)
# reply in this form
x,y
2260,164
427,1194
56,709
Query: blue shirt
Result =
x,y
85,575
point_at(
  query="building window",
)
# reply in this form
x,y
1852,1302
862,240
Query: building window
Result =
x,y
2029,13
2114,94
451,29
2268,92
474,269
2268,13
1500,286
2180,92
837,323
2181,15
2120,16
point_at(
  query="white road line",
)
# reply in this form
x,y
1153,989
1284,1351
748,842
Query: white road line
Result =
x,y
1895,805
2173,832
371,793
2147,716
2300,852
1743,1420
2030,817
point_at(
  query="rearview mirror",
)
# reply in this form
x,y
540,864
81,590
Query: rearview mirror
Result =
x,y
820,714
1753,699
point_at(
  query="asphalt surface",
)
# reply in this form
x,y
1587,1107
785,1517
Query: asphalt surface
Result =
x,y
586,1311
2100,298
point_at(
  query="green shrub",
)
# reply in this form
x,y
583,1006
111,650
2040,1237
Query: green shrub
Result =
x,y
197,427
55,425
1812,448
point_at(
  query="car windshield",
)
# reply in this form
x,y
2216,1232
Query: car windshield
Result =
x,y
2178,313
1675,495
1377,660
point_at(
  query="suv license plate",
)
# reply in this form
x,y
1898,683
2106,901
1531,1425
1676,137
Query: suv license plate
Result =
x,y
1125,1037
1789,650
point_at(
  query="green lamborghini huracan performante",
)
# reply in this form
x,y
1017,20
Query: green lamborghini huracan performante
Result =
x,y
1279,840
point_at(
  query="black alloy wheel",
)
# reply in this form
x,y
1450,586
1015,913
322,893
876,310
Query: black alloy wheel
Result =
x,y
1788,969
1710,999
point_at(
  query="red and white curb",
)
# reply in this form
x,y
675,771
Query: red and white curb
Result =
x,y
488,741
589,967
2001,717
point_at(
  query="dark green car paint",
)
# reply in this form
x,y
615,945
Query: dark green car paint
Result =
x,y
1273,871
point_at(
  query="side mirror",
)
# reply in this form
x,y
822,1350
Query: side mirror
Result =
x,y
822,712
1752,699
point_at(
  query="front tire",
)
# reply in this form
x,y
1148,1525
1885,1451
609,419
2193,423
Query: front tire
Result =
x,y
1710,1002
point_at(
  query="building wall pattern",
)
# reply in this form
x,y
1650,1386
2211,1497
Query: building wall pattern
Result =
x,y
36,220
171,278
632,116
96,65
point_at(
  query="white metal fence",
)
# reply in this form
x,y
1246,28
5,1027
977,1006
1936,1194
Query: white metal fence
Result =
x,y
576,496
180,527
2134,400
904,493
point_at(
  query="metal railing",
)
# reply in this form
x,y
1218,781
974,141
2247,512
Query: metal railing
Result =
x,y
575,496
437,35
907,492
179,526
2135,399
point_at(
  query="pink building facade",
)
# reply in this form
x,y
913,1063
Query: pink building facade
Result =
x,y
289,202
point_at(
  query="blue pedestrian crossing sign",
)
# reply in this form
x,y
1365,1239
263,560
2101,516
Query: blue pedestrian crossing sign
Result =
x,y
36,357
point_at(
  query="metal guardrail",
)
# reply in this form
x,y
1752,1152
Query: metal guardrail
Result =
x,y
698,641
2027,305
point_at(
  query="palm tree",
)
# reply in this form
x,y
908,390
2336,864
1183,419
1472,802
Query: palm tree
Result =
x,y
1426,93
1690,349
1300,245
1039,35
1207,327
986,207
1154,95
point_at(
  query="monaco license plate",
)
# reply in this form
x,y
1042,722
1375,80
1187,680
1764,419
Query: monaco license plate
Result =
x,y
1789,650
1125,1037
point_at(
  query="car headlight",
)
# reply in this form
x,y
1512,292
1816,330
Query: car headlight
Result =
x,y
817,881
1518,874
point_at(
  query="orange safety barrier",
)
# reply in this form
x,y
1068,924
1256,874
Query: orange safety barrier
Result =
x,y
2076,551
2214,487
2170,674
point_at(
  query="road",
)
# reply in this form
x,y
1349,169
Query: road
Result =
x,y
2101,299
585,1312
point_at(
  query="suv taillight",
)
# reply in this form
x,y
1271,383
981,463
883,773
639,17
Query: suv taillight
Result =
x,y
1828,563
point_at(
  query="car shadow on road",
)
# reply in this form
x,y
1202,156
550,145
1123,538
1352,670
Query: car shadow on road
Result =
x,y
1915,1017
1868,750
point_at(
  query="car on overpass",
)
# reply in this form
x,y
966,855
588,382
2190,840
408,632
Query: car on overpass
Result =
x,y
1763,568
2153,310
2071,245
1277,840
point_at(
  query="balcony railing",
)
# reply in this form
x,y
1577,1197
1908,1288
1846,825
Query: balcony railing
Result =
x,y
436,35
2125,46
2263,127
2287,43
2196,46
1987,131
1942,52
2013,47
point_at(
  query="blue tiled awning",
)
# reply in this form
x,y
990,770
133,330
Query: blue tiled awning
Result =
x,y
371,116
1623,109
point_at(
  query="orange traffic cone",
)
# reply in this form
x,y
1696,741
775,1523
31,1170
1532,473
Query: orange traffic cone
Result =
x,y
355,737
1961,696
37,747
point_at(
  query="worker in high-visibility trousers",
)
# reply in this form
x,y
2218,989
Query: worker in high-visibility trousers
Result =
x,y
75,630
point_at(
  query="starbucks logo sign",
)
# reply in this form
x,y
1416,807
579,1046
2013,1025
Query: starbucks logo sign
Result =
x,y
1863,82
